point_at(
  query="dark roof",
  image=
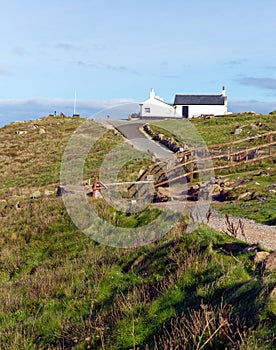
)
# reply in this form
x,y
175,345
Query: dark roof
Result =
x,y
199,100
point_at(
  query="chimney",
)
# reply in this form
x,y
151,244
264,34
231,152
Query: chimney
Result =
x,y
223,91
152,93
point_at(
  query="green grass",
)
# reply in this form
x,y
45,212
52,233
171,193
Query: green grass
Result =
x,y
67,288
260,203
61,290
219,129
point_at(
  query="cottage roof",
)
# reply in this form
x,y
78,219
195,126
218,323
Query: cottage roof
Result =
x,y
199,100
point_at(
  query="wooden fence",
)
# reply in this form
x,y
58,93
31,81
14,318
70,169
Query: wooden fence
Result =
x,y
223,156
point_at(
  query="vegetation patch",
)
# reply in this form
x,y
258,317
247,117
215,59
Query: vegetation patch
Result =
x,y
61,290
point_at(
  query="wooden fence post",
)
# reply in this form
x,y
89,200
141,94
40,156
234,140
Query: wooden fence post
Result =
x,y
270,144
192,165
231,155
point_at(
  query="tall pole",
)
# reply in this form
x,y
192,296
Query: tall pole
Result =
x,y
75,101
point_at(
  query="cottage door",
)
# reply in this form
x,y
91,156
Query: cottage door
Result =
x,y
185,111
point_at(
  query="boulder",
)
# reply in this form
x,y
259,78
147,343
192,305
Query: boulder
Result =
x,y
271,305
33,126
255,247
48,193
243,195
270,262
233,247
260,257
60,191
161,195
164,192
193,193
35,195
41,131
141,171
237,131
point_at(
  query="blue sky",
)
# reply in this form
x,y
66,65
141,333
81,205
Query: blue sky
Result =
x,y
115,51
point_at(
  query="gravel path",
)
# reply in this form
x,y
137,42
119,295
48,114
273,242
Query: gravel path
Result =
x,y
254,232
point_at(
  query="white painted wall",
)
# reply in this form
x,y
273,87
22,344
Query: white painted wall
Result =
x,y
197,110
157,109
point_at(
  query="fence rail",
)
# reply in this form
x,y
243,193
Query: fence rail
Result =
x,y
224,156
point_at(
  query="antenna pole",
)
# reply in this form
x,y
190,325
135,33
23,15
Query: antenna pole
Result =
x,y
75,101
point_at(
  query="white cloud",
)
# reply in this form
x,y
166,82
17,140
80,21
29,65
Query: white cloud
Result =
x,y
19,51
251,105
4,71
101,66
25,109
65,46
265,83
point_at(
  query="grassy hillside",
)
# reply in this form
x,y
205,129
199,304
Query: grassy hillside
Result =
x,y
220,129
31,161
61,290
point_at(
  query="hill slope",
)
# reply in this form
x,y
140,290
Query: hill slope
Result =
x,y
61,290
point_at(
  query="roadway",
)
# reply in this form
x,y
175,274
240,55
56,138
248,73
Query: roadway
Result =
x,y
131,131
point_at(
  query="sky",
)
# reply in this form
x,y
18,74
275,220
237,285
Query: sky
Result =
x,y
112,52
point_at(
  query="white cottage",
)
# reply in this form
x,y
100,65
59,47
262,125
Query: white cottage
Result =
x,y
155,107
196,105
184,106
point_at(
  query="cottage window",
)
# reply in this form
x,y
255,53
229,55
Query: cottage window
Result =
x,y
147,110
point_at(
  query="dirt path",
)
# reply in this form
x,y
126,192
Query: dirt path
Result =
x,y
254,232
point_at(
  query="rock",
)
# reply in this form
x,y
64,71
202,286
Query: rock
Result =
x,y
270,262
48,193
260,257
222,196
35,195
33,126
217,189
8,206
233,247
21,132
271,305
141,171
237,131
243,195
161,195
252,248
41,131
60,191
193,193
162,192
